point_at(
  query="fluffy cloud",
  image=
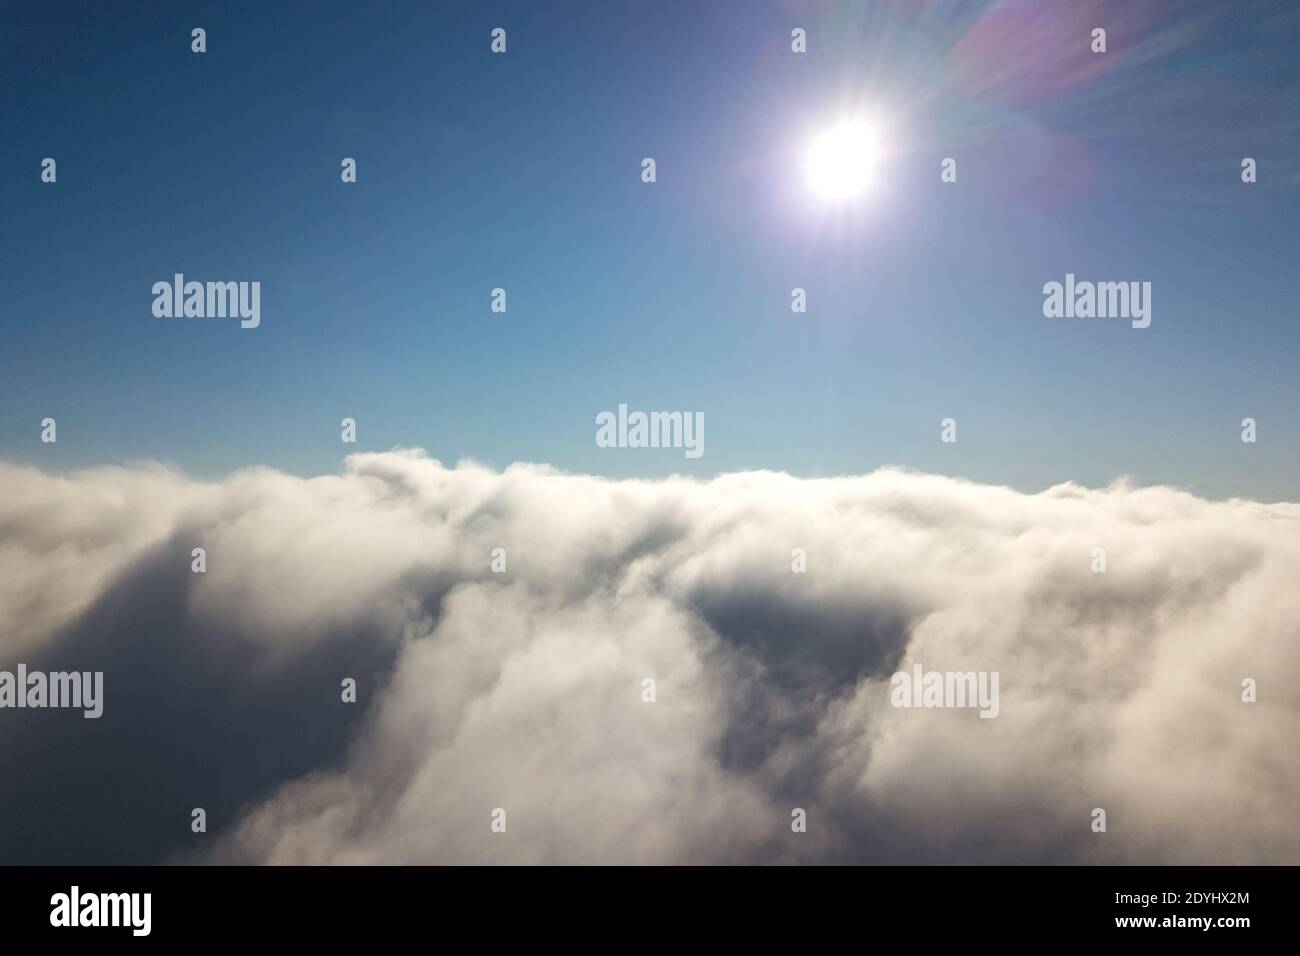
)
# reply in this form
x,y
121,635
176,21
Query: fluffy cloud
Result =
x,y
523,690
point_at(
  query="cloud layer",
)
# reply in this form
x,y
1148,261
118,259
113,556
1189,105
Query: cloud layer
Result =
x,y
523,691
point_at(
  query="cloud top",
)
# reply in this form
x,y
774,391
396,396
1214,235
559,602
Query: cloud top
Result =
x,y
523,690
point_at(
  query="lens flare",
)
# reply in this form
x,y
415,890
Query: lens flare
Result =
x,y
841,161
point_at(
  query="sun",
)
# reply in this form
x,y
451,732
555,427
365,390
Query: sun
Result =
x,y
841,160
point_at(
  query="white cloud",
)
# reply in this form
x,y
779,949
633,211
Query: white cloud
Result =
x,y
522,690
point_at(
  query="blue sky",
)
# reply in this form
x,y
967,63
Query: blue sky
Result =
x,y
523,171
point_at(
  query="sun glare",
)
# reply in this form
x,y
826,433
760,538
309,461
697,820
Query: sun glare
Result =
x,y
841,161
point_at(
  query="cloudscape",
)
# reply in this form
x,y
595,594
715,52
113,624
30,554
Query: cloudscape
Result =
x,y
832,432
501,626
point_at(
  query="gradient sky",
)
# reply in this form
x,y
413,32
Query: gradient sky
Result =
x,y
523,171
